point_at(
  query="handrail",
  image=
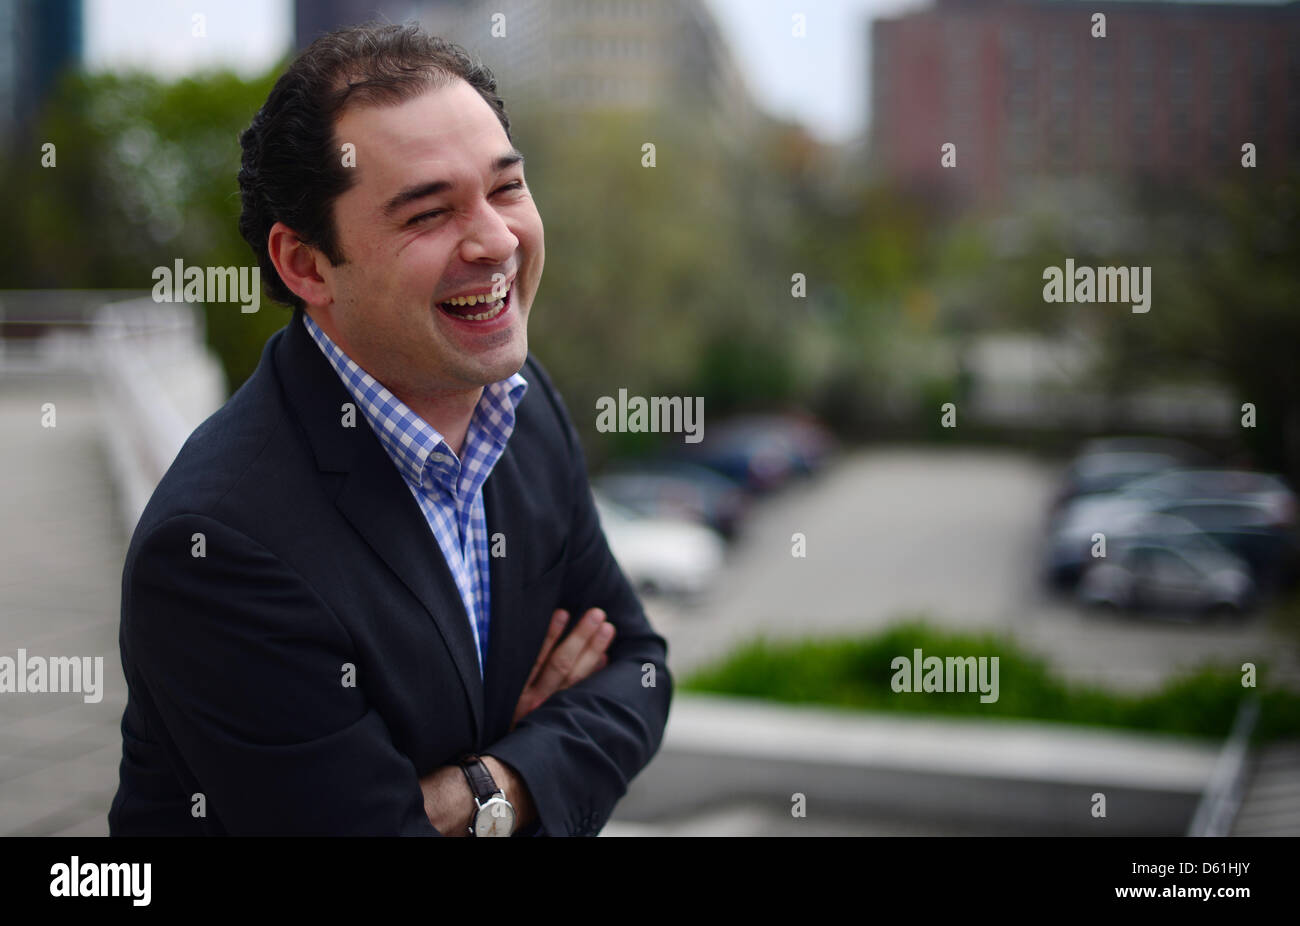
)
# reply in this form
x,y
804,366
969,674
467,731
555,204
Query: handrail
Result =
x,y
1224,791
137,343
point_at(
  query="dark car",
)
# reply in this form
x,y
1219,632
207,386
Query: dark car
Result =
x,y
676,489
1266,489
1250,530
763,452
1252,513
1109,464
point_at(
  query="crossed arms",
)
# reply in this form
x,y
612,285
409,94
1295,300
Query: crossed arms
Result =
x,y
240,659
448,801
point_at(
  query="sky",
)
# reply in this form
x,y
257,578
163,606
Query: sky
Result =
x,y
157,35
820,79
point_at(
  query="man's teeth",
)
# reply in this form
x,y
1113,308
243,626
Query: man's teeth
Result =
x,y
482,297
493,310
497,309
495,301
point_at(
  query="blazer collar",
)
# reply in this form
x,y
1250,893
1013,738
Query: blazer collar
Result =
x,y
376,500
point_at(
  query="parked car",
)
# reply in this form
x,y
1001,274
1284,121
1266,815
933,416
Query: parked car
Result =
x,y
1250,530
676,489
660,555
1109,464
1071,535
763,452
1264,489
1181,573
1253,514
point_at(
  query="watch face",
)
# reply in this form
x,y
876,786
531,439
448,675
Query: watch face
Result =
x,y
495,818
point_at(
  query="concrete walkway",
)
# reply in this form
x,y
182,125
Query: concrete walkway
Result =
x,y
61,555
1271,805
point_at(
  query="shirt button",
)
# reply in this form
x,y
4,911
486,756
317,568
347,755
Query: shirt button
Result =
x,y
439,458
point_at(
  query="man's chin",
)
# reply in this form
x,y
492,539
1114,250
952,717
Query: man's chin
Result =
x,y
503,364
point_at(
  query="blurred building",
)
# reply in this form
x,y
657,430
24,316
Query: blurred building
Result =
x,y
39,39
578,55
1024,90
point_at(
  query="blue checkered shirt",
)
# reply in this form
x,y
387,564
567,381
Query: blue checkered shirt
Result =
x,y
448,489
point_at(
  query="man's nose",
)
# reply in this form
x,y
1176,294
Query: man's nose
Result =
x,y
488,236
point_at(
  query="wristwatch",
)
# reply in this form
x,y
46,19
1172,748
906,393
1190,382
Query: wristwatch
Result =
x,y
494,815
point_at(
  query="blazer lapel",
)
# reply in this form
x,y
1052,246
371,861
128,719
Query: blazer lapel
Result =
x,y
376,500
507,654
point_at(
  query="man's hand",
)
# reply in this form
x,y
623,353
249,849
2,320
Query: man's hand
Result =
x,y
448,801
558,667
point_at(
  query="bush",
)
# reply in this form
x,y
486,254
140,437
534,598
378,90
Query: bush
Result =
x,y
856,673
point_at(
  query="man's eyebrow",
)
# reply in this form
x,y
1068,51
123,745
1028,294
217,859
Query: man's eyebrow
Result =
x,y
434,187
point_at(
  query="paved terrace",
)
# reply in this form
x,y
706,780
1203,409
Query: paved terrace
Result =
x,y
61,554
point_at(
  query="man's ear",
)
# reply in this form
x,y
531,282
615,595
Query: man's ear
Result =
x,y
298,264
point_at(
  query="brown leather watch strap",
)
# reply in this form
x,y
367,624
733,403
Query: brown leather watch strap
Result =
x,y
480,779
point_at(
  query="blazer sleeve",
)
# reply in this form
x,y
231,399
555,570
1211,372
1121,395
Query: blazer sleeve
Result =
x,y
578,751
246,669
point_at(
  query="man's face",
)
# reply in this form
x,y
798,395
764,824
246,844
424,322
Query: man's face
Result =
x,y
410,242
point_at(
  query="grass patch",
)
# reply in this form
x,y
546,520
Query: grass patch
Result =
x,y
856,673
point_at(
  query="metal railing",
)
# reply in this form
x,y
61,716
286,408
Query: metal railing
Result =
x,y
153,377
1223,794
157,383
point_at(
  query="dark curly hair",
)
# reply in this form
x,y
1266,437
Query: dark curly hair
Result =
x,y
292,169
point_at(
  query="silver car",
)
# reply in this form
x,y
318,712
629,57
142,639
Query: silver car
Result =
x,y
1186,573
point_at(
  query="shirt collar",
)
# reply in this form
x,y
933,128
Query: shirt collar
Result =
x,y
419,451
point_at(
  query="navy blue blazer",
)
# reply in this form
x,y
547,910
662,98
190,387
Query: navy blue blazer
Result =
x,y
317,569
